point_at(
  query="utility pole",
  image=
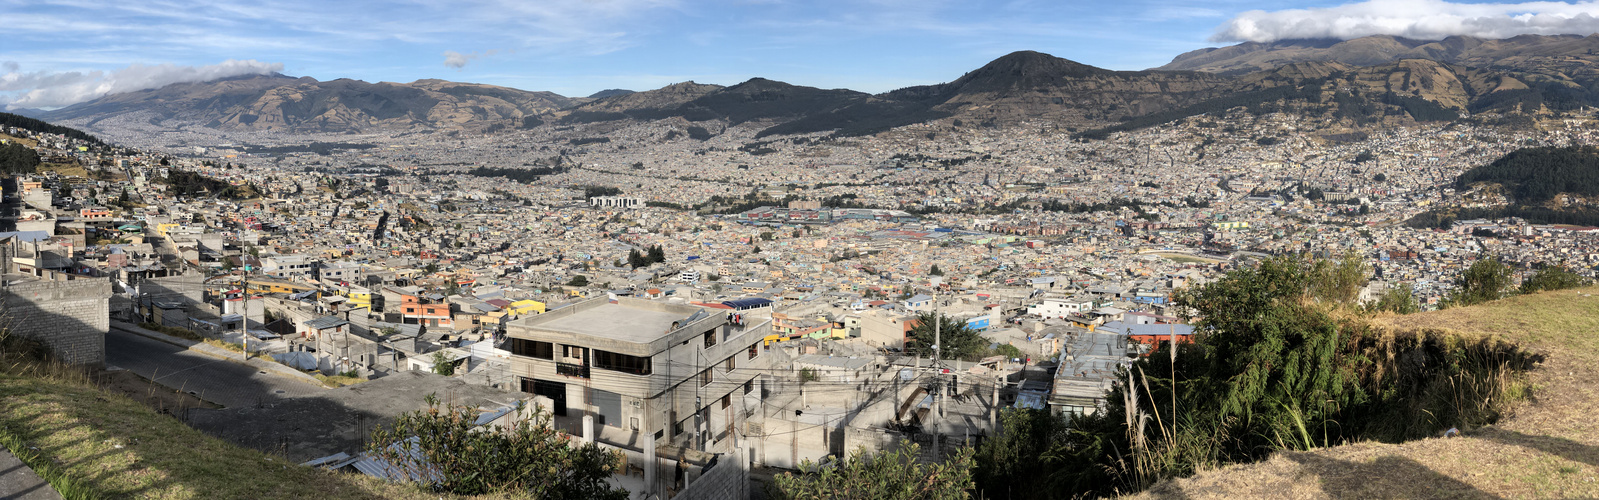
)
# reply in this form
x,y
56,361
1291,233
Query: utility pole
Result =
x,y
993,410
244,321
938,379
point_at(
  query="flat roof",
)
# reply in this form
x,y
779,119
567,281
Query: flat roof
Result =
x,y
616,322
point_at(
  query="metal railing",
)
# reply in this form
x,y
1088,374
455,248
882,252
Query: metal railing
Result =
x,y
572,370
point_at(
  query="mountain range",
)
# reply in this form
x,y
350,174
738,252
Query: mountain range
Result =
x,y
1361,81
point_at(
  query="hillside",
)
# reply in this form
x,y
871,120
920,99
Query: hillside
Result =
x,y
94,442
1535,176
1546,447
1544,185
1569,55
280,103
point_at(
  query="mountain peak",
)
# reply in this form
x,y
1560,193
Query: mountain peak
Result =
x,y
1024,70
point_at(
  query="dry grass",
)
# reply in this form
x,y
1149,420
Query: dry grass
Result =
x,y
336,381
1547,447
64,170
114,447
21,140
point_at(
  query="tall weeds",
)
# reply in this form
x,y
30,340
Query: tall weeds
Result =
x,y
1283,361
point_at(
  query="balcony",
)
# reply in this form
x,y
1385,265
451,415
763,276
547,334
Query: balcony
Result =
x,y
572,370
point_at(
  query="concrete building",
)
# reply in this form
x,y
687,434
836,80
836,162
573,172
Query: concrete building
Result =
x,y
284,266
616,202
649,373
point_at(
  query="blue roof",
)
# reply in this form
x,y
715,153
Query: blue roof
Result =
x,y
747,303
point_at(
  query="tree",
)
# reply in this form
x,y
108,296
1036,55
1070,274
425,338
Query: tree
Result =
x,y
1339,282
656,254
1398,300
935,271
431,268
636,260
1019,462
959,340
442,364
444,446
1553,278
579,280
1487,279
767,236
892,475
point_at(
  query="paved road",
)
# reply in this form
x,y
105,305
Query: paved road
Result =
x,y
224,382
18,482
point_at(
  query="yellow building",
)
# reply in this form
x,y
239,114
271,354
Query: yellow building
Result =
x,y
259,285
360,297
528,306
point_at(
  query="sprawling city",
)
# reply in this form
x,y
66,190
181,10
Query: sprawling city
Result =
x,y
1298,267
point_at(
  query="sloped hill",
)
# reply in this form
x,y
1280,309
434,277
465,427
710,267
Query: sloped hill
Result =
x,y
277,102
1558,56
1548,447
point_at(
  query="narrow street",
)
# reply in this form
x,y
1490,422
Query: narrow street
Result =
x,y
219,381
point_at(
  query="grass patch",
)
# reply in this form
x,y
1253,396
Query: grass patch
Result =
x,y
64,170
339,380
21,140
93,443
187,334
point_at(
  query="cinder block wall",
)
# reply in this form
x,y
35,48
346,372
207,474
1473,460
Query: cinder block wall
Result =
x,y
69,317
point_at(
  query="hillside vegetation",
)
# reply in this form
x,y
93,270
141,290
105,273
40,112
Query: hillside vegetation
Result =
x,y
90,442
1537,175
1546,446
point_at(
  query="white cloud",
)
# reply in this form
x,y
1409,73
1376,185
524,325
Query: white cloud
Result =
x,y
1419,19
42,89
457,60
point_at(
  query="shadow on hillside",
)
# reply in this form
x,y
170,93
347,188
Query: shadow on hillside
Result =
x,y
1566,448
1385,477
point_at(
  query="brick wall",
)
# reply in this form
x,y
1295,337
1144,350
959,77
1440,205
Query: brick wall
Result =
x,y
70,317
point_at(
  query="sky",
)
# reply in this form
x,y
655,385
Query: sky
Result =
x,y
58,52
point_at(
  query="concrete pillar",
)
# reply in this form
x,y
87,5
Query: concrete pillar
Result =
x,y
588,429
649,465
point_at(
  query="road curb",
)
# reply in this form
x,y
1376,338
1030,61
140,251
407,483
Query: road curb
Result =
x,y
20,482
262,364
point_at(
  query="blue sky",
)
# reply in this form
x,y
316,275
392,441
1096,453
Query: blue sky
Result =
x,y
62,51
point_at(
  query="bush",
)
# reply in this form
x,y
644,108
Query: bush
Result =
x,y
1487,279
443,446
893,475
1553,278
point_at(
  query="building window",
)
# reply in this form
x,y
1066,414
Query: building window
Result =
x,y
532,348
749,386
727,399
705,377
755,350
728,364
677,425
710,337
607,360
